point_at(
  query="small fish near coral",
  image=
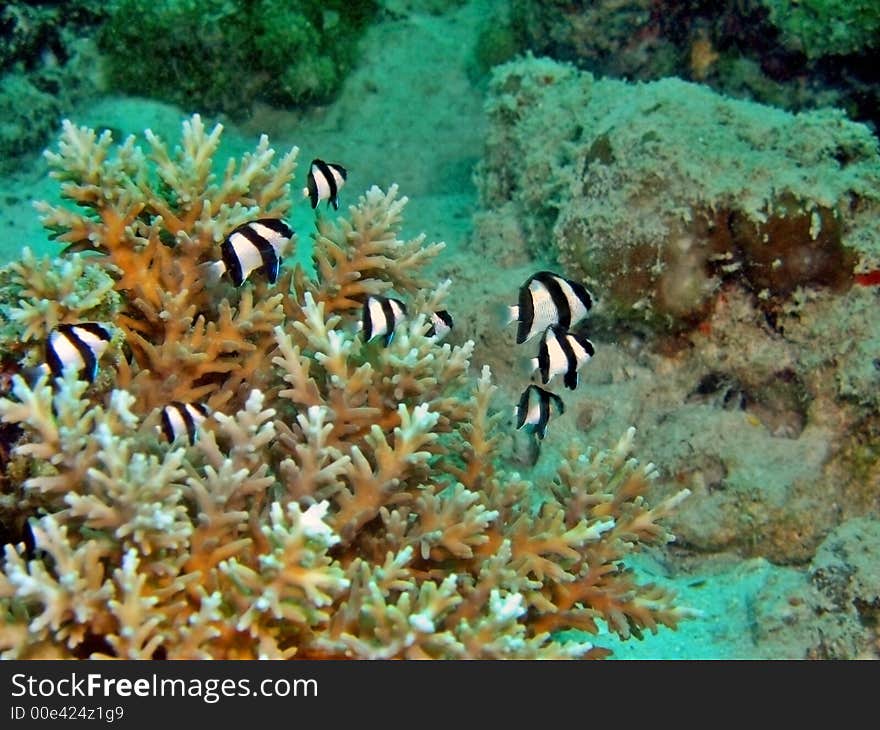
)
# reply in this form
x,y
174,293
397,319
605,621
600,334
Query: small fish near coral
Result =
x,y
80,344
550,303
381,315
339,513
441,324
324,183
561,353
534,409
182,419
547,298
255,246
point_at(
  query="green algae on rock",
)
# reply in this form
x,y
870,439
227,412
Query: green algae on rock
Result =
x,y
223,56
48,65
826,27
794,55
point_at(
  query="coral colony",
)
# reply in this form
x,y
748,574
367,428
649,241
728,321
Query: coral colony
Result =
x,y
242,474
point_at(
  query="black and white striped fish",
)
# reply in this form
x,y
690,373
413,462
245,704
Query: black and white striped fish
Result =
x,y
381,315
561,353
183,419
80,344
324,183
441,324
547,298
257,245
533,411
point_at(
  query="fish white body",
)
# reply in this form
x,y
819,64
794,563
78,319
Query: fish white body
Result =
x,y
182,420
257,245
534,409
547,298
381,315
562,353
80,345
441,324
325,180
249,257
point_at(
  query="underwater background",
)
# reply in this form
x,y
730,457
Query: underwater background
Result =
x,y
710,171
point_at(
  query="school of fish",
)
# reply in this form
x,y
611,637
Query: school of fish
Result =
x,y
548,304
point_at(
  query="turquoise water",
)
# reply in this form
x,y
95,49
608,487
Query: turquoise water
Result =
x,y
711,176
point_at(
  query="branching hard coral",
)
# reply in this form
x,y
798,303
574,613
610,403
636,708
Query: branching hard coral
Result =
x,y
156,217
362,255
342,499
48,293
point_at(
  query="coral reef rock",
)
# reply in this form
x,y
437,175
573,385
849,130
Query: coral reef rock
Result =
x,y
658,193
734,250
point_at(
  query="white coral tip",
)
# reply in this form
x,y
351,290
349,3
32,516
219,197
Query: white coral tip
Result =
x,y
313,524
507,608
422,622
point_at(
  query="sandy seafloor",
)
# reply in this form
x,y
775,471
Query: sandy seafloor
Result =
x,y
409,114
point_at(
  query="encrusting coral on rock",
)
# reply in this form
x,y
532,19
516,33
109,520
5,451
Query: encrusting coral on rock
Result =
x,y
344,499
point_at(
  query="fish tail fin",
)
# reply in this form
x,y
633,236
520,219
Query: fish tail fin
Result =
x,y
526,367
33,374
211,271
504,314
526,448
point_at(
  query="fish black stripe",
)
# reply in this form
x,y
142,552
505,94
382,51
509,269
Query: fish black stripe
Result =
x,y
523,408
325,170
580,291
90,362
367,321
343,173
543,412
313,189
277,225
526,312
544,358
571,362
94,328
230,260
571,376
560,301
586,344
185,416
187,421
52,360
444,316
546,398
267,251
167,428
390,322
201,408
